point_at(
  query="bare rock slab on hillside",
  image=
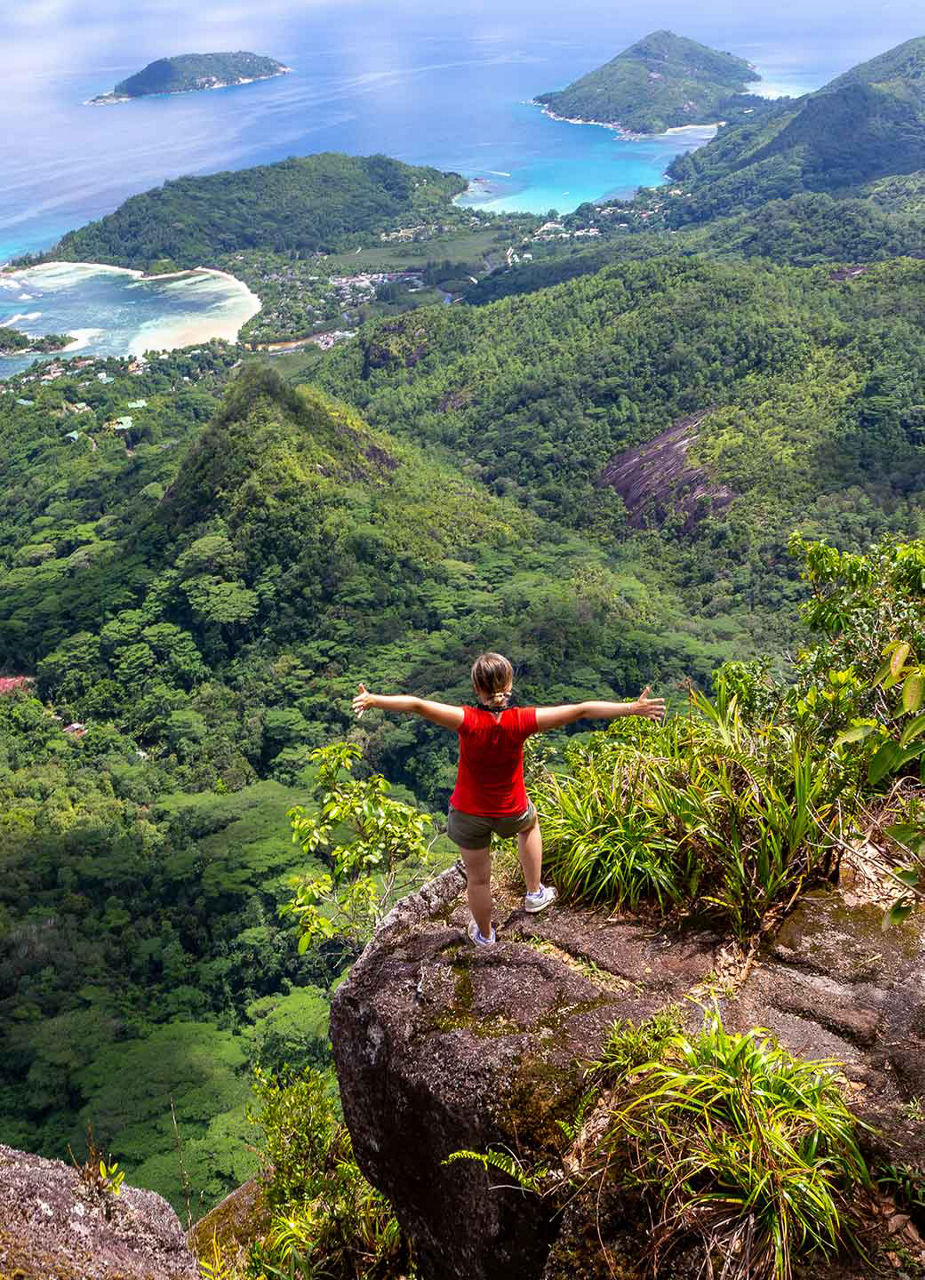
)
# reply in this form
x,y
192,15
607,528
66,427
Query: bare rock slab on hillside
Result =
x,y
52,1228
658,479
441,1046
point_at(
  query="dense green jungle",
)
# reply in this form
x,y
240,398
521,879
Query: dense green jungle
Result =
x,y
690,454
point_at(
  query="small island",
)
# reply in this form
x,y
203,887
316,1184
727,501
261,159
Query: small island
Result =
x,y
661,82
192,73
13,342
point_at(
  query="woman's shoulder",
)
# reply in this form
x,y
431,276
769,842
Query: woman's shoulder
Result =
x,y
522,719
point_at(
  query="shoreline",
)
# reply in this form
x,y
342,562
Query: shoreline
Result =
x,y
480,191
615,127
187,331
130,271
110,99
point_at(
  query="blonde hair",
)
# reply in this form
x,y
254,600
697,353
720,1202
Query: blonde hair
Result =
x,y
492,677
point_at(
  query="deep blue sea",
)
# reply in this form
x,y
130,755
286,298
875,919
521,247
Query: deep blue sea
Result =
x,y
424,80
429,82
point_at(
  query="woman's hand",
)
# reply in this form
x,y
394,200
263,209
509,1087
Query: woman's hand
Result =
x,y
363,701
650,708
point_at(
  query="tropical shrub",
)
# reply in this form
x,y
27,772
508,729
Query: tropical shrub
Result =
x,y
704,810
370,845
327,1220
869,611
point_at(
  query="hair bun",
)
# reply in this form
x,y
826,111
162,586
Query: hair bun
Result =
x,y
497,699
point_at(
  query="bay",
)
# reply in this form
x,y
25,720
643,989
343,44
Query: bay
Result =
x,y
430,83
112,312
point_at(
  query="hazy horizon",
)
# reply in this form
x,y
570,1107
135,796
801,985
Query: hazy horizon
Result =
x,y
443,86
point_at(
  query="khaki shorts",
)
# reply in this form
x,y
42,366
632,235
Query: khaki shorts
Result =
x,y
473,830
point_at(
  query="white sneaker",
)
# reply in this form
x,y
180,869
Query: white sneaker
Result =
x,y
540,900
475,935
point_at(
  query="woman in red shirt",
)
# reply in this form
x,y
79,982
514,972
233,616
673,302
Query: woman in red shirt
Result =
x,y
490,795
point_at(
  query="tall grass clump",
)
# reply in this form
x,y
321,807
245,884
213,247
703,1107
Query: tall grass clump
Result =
x,y
741,1147
732,807
705,809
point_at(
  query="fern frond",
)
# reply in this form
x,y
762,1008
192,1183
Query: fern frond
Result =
x,y
507,1163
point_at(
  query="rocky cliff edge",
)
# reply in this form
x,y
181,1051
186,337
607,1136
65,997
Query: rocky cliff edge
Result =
x,y
441,1047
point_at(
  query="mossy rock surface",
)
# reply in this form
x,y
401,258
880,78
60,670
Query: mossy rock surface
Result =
x,y
234,1223
442,1046
835,984
52,1227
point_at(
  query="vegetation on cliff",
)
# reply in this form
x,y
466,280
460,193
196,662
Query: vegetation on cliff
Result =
x,y
809,387
661,81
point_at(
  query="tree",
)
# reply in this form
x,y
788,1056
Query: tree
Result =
x,y
372,846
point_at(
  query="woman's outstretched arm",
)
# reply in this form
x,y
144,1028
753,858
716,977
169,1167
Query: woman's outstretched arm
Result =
x,y
554,717
439,712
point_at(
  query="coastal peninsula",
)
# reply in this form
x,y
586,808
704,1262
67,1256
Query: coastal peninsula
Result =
x,y
192,73
661,82
13,342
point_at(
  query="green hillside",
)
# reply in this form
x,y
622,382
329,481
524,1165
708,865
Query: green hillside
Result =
x,y
321,203
899,193
195,71
286,531
810,386
903,64
866,124
659,82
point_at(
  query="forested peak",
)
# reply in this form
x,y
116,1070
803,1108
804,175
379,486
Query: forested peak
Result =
x,y
661,81
268,440
665,47
301,205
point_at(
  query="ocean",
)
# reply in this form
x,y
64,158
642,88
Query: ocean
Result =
x,y
429,83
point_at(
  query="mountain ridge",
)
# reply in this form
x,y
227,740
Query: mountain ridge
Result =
x,y
856,129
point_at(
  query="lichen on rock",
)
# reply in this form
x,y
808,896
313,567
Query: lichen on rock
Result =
x,y
53,1228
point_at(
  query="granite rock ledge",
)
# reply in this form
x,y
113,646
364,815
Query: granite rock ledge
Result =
x,y
441,1047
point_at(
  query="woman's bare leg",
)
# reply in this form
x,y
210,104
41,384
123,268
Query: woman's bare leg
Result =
x,y
478,887
530,849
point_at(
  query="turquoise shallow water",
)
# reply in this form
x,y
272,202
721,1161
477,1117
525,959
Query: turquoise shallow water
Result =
x,y
427,82
423,80
113,312
561,165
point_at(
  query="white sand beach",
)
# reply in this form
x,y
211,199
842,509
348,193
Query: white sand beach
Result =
x,y
232,306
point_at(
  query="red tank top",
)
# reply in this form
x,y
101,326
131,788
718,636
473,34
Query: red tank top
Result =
x,y
490,777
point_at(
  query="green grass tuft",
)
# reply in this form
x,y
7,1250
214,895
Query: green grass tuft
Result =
x,y
742,1147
